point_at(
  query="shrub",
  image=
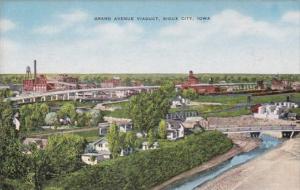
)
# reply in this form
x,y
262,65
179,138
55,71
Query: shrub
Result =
x,y
146,169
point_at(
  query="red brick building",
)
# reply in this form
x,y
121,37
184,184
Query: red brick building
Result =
x,y
111,83
194,83
39,84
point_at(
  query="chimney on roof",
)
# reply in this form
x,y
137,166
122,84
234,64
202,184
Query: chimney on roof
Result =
x,y
34,69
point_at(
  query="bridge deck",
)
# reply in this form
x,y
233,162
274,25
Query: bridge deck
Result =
x,y
256,129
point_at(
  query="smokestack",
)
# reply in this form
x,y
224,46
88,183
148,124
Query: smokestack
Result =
x,y
34,69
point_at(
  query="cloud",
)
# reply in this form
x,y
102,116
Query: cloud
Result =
x,y
230,42
6,25
291,17
63,22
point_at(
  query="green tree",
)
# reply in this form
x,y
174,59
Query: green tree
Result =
x,y
51,118
96,117
67,110
113,138
189,93
151,137
162,129
43,110
84,120
64,153
147,109
13,163
131,140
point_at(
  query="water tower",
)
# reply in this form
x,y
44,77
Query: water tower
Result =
x,y
28,73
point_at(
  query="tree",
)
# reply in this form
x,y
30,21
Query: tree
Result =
x,y
151,137
162,129
13,163
96,117
67,110
130,140
147,109
43,110
84,120
189,93
51,118
40,167
113,138
64,153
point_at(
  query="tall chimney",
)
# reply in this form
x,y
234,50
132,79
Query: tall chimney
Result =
x,y
34,69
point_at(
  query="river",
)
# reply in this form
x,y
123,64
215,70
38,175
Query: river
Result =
x,y
268,143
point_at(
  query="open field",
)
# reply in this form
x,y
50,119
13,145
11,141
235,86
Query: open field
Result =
x,y
157,78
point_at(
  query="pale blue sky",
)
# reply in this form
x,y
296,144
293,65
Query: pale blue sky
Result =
x,y
241,37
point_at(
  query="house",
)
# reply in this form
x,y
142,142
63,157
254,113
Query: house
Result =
x,y
92,158
103,128
175,129
96,152
101,145
179,102
145,146
125,126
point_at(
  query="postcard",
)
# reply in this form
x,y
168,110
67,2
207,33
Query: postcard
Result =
x,y
149,95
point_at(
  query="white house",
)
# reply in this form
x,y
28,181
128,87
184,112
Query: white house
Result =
x,y
96,151
99,150
103,128
179,102
145,146
125,126
175,129
93,158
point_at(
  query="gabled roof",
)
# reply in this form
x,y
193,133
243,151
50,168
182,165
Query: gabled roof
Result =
x,y
175,124
99,141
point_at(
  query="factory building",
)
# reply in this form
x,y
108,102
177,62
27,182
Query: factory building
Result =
x,y
111,83
280,84
37,83
193,82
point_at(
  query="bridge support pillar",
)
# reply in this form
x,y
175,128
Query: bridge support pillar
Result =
x,y
68,96
254,134
44,98
286,134
56,97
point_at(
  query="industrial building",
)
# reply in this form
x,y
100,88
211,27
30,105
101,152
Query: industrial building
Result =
x,y
193,83
40,83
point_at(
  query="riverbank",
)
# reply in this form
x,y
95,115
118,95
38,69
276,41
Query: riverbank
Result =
x,y
278,169
242,144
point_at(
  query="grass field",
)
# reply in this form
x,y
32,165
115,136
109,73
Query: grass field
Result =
x,y
90,136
